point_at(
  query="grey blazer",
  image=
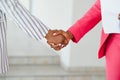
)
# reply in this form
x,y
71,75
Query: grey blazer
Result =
x,y
26,21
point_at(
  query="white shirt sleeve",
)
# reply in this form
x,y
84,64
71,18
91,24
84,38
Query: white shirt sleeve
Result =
x,y
27,22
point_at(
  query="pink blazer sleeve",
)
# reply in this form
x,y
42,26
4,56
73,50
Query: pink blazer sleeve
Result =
x,y
87,22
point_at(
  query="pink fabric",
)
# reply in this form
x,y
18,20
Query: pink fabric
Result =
x,y
86,23
113,57
101,51
109,44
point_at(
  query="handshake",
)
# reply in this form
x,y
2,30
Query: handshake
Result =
x,y
58,39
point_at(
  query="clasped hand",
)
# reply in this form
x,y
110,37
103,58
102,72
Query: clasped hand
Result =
x,y
58,39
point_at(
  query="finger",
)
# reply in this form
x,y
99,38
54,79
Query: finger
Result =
x,y
51,44
66,36
58,32
61,46
56,47
65,43
50,33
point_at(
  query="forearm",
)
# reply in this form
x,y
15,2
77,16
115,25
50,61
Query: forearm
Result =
x,y
27,22
86,23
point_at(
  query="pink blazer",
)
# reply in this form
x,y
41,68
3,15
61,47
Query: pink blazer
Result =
x,y
86,23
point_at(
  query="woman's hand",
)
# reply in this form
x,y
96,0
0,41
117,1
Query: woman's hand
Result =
x,y
58,39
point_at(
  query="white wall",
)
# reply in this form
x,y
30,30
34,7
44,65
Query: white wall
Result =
x,y
85,52
20,44
54,13
59,14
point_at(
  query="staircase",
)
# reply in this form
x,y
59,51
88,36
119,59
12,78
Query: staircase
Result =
x,y
47,68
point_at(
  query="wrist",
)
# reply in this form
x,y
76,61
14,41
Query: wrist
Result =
x,y
70,35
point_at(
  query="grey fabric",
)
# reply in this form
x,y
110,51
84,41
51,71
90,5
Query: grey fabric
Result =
x,y
26,21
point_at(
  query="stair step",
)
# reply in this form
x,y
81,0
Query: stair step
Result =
x,y
52,72
34,60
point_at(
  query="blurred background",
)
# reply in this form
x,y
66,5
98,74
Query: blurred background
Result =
x,y
35,60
